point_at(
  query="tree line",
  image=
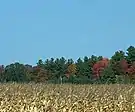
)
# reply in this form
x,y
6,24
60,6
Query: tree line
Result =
x,y
120,68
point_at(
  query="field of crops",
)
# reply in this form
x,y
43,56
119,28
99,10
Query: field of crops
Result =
x,y
66,98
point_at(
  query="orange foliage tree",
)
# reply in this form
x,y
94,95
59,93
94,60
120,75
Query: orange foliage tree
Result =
x,y
39,74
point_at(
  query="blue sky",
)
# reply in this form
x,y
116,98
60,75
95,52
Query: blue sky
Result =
x,y
34,29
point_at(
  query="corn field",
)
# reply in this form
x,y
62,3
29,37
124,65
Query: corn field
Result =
x,y
66,98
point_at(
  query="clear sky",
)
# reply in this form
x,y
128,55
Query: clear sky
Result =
x,y
34,29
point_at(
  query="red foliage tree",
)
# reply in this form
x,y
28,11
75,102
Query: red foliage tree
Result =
x,y
131,71
99,66
124,66
127,68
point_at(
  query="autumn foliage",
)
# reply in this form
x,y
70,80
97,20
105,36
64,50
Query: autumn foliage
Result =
x,y
127,69
72,69
87,70
99,66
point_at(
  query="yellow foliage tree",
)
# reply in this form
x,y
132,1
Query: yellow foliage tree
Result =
x,y
72,69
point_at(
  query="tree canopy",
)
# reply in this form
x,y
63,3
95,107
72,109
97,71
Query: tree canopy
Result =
x,y
120,68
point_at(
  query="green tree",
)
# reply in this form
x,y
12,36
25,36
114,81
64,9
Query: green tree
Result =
x,y
60,68
116,62
79,67
87,67
108,76
50,66
40,63
2,68
15,72
131,54
29,70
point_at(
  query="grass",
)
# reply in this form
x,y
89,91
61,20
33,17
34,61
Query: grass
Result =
x,y
66,98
